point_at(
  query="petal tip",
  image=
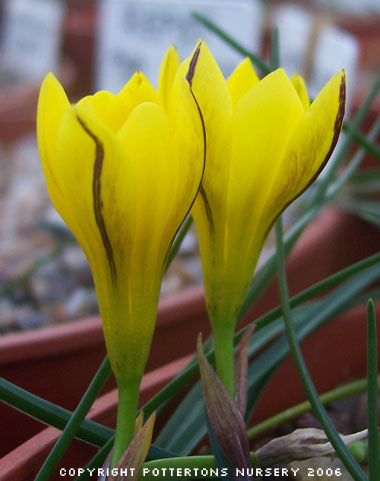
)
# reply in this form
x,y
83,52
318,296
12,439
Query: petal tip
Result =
x,y
193,62
51,81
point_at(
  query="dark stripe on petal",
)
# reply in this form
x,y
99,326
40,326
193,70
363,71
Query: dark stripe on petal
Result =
x,y
97,200
207,209
337,128
189,78
200,183
201,189
193,64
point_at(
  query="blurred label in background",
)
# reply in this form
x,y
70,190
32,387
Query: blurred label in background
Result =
x,y
31,38
313,47
134,35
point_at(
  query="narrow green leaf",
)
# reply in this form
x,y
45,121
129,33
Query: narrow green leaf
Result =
x,y
298,410
361,140
308,318
275,49
210,25
178,240
334,437
373,409
368,210
182,429
365,182
75,422
51,414
97,434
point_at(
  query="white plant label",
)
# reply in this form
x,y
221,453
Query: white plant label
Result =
x,y
135,34
31,37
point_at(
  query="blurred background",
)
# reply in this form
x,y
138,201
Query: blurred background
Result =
x,y
94,45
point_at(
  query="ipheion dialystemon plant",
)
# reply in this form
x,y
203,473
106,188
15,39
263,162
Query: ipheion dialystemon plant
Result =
x,y
124,171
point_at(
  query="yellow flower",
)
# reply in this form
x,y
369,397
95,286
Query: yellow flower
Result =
x,y
265,145
123,171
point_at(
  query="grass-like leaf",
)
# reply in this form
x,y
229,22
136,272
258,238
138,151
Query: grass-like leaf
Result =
x,y
373,413
190,413
320,412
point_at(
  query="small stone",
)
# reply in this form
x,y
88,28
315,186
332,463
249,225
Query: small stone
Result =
x,y
26,318
82,302
7,317
75,262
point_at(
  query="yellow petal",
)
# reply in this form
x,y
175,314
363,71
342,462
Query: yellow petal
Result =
x,y
94,172
242,79
169,67
264,119
107,107
300,86
101,193
125,192
310,145
215,103
168,163
137,90
52,105
146,138
260,127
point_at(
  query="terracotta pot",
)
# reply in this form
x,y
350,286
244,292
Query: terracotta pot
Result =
x,y
18,105
336,353
65,358
23,463
58,363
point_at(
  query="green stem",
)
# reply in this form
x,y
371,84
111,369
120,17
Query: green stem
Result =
x,y
51,414
128,399
304,407
224,355
373,424
334,437
75,422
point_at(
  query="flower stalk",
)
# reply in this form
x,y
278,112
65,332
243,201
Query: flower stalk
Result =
x,y
224,356
128,399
